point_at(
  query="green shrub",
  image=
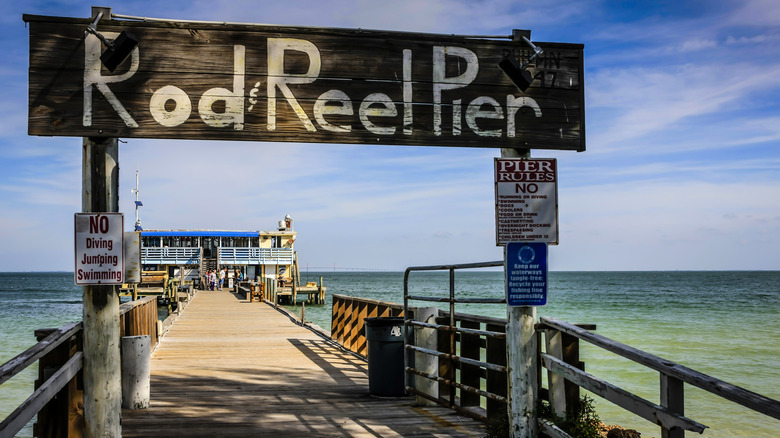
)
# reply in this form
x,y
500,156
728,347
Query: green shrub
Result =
x,y
581,420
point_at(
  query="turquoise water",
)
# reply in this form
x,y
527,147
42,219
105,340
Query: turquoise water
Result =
x,y
724,324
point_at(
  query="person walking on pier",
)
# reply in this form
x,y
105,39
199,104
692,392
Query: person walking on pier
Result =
x,y
222,274
212,280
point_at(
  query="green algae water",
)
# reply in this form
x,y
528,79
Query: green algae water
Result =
x,y
724,324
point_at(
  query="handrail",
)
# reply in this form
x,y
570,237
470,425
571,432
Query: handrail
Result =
x,y
561,359
136,317
34,403
240,255
736,394
471,368
21,361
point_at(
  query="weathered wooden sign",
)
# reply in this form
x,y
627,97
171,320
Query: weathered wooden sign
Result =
x,y
265,83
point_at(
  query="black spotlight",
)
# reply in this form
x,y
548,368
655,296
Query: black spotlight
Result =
x,y
516,72
118,50
513,69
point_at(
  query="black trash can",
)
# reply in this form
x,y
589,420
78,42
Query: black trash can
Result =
x,y
385,340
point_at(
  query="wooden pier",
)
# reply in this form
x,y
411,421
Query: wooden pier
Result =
x,y
230,367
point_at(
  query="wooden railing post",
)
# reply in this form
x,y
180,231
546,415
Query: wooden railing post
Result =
x,y
555,382
470,374
496,381
521,348
571,355
62,416
445,365
672,398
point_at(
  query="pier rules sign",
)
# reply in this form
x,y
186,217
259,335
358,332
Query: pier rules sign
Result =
x,y
99,248
526,200
526,274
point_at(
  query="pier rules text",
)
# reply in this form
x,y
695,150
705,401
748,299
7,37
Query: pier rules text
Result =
x,y
526,200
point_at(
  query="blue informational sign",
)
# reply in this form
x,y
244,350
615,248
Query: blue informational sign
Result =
x,y
526,273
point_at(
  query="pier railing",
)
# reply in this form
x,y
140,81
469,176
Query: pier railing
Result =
x,y
348,314
471,373
668,414
58,394
170,256
229,255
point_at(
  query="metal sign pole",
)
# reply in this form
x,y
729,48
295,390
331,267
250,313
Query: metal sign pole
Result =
x,y
521,356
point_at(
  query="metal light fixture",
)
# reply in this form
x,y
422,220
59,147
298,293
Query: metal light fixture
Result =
x,y
516,71
116,50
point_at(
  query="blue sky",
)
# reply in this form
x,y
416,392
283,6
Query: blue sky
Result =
x,y
681,172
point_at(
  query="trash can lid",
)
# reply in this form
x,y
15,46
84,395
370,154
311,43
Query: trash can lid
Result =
x,y
380,321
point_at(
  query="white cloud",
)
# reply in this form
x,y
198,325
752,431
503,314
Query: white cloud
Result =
x,y
637,199
755,13
650,100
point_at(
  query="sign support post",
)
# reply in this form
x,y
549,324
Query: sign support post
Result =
x,y
102,363
521,356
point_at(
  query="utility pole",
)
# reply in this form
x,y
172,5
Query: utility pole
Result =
x,y
102,363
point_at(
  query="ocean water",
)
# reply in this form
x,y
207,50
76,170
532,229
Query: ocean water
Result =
x,y
725,324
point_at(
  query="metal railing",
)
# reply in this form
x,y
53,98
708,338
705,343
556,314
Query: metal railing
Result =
x,y
461,369
170,256
255,256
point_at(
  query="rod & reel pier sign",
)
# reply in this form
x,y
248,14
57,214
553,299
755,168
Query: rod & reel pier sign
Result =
x,y
526,200
223,81
99,248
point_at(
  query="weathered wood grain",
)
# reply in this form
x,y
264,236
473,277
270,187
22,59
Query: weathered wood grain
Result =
x,y
228,367
744,397
233,63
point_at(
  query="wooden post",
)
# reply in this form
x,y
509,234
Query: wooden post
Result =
x,y
136,366
426,338
555,382
521,346
102,365
571,355
470,374
496,381
672,398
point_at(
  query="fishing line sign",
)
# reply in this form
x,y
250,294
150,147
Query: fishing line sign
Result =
x,y
526,273
526,200
99,248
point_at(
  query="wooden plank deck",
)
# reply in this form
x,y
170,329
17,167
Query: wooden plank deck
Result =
x,y
228,367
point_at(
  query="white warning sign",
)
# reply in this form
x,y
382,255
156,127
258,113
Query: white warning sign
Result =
x,y
99,248
526,200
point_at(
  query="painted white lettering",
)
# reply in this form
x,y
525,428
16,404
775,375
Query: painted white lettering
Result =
x,y
234,100
474,111
456,116
377,105
278,78
513,104
333,102
407,78
440,80
178,114
93,76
